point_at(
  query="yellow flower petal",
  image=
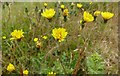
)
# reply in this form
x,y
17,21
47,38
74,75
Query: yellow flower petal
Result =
x,y
79,5
65,12
96,13
35,39
88,17
25,72
59,34
44,37
48,13
62,6
107,15
45,4
4,37
10,67
17,34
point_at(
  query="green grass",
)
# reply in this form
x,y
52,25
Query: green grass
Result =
x,y
95,37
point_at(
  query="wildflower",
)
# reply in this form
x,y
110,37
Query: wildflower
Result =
x,y
51,74
82,24
48,13
96,13
88,17
35,39
81,21
45,5
65,12
79,5
17,34
25,72
10,67
107,15
90,3
4,37
38,44
59,34
44,37
62,6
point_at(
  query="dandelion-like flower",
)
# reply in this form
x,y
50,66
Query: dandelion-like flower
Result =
x,y
97,13
38,44
10,67
4,37
45,4
65,12
79,5
51,74
48,13
88,17
59,34
107,15
25,72
62,6
45,37
35,39
17,34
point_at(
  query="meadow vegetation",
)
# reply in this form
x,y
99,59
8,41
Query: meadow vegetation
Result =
x,y
60,38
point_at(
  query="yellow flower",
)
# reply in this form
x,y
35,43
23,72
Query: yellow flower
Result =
x,y
88,17
107,15
96,13
51,74
38,44
81,21
65,12
48,13
4,37
90,2
10,67
17,34
44,37
62,6
45,4
79,5
35,39
25,72
59,34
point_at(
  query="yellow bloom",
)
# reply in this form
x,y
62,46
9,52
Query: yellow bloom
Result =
x,y
17,34
38,44
48,13
62,6
35,39
59,34
65,12
90,2
44,37
81,21
96,13
25,72
107,15
45,4
79,5
10,67
51,74
4,37
88,17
